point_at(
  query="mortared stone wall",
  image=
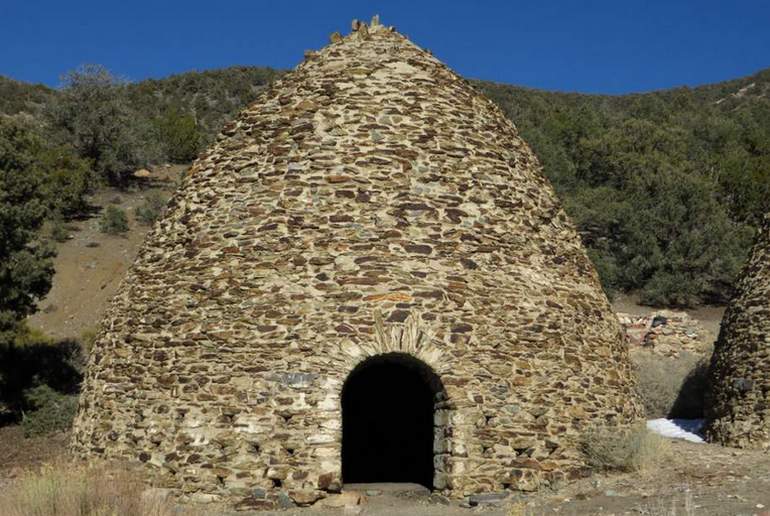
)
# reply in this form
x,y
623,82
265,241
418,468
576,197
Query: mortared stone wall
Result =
x,y
369,202
738,399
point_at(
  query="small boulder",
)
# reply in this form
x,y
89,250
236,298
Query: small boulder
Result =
x,y
489,499
438,499
346,499
305,496
284,501
156,496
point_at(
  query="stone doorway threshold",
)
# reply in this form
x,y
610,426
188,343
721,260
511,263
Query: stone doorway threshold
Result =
x,y
389,488
383,499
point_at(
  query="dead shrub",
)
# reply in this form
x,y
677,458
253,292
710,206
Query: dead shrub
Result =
x,y
670,387
623,449
68,489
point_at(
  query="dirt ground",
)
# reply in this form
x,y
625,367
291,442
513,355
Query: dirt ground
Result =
x,y
694,479
18,453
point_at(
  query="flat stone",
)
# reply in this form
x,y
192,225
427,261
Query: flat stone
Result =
x,y
439,499
344,499
487,499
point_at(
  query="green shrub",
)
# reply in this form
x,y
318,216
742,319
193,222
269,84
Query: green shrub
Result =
x,y
151,209
618,449
26,265
31,360
113,221
670,387
87,339
67,179
179,135
50,412
59,230
27,335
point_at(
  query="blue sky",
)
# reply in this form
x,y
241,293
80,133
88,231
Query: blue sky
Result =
x,y
596,46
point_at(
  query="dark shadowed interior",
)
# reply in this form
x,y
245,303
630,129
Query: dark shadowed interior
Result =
x,y
387,421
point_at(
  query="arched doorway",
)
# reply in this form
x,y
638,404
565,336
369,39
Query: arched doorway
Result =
x,y
388,404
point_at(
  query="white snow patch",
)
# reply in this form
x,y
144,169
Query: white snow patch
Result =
x,y
687,429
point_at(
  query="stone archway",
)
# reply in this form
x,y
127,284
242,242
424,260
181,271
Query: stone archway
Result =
x,y
389,423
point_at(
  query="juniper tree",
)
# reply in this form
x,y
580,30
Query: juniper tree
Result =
x,y
26,266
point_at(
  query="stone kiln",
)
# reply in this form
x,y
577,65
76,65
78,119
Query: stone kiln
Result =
x,y
738,400
366,278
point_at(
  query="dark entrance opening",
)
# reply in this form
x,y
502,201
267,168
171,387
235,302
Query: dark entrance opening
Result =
x,y
387,421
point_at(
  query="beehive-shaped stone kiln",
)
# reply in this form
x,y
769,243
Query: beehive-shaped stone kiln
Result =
x,y
367,278
738,400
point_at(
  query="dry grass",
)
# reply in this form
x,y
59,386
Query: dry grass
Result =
x,y
670,387
68,489
615,449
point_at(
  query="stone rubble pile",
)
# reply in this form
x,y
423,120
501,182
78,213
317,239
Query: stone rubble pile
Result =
x,y
665,332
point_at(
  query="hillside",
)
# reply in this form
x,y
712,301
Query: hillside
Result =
x,y
21,97
213,96
665,187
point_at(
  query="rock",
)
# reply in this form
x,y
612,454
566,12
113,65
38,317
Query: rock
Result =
x,y
373,492
438,499
492,499
344,499
665,332
204,498
142,172
305,496
255,504
156,496
285,502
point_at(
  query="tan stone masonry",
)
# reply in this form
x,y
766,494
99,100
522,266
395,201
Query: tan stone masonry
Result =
x,y
369,202
738,402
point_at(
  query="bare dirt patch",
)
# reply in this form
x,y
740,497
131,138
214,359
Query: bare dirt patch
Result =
x,y
90,265
18,453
